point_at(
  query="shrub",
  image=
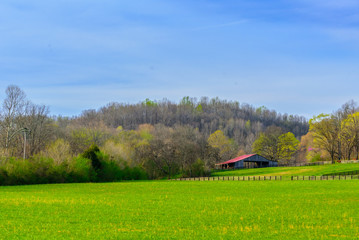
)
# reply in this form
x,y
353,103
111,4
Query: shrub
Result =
x,y
19,171
198,168
110,172
80,170
92,154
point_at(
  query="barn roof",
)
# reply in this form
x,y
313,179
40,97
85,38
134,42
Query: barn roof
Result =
x,y
237,159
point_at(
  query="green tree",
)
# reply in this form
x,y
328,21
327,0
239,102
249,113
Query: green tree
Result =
x,y
226,146
92,154
350,134
325,133
287,146
266,144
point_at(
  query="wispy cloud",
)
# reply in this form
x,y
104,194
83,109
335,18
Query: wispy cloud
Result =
x,y
88,53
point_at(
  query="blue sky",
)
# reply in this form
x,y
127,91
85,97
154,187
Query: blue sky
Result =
x,y
299,56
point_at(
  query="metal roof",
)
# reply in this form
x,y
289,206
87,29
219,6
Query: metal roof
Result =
x,y
237,159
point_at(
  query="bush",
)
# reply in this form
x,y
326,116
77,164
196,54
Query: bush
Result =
x,y
316,158
41,169
3,176
19,172
92,154
80,170
198,168
110,172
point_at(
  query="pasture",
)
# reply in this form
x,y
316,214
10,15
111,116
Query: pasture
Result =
x,y
182,210
318,170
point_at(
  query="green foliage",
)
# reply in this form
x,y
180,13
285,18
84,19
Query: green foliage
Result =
x,y
186,101
39,170
80,170
287,146
326,132
316,158
198,169
59,151
276,146
149,103
199,108
266,145
226,146
80,139
92,154
19,172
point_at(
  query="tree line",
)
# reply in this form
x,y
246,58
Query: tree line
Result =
x,y
153,138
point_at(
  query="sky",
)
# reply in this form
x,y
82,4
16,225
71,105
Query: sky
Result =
x,y
296,57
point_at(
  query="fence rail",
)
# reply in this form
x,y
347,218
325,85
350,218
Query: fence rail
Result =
x,y
304,164
271,178
232,178
327,177
356,172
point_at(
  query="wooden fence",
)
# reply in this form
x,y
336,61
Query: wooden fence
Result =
x,y
270,178
331,177
356,172
232,178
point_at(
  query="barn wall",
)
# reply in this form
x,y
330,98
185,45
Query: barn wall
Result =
x,y
239,164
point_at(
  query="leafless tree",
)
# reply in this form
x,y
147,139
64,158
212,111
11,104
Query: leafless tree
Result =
x,y
13,108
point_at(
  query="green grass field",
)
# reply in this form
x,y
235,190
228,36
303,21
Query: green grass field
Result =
x,y
182,210
291,171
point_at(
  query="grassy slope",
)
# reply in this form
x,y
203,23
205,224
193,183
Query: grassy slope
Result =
x,y
291,171
182,210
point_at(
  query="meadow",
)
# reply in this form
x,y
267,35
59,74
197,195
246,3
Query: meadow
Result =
x,y
182,210
286,172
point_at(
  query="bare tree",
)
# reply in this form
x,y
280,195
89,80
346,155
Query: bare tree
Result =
x,y
13,108
40,125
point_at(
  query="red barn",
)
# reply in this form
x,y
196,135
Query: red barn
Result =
x,y
247,161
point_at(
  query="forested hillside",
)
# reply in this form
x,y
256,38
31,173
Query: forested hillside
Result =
x,y
241,122
162,138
